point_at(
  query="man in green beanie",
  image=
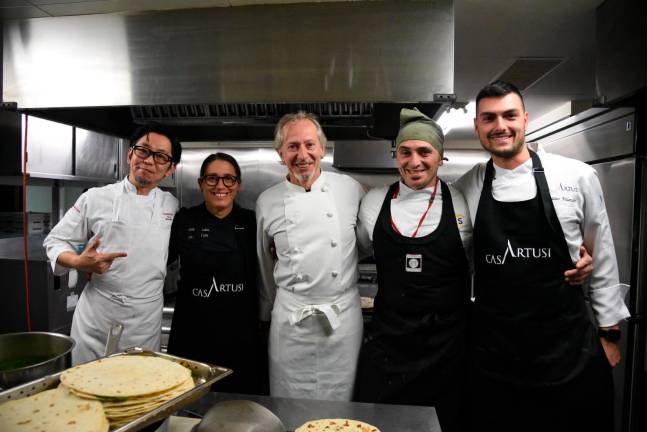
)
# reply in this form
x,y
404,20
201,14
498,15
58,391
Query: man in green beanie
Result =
x,y
419,229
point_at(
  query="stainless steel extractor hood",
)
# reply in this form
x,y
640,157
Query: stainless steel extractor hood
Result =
x,y
204,67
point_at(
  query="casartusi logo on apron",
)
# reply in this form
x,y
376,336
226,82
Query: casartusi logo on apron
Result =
x,y
525,253
218,288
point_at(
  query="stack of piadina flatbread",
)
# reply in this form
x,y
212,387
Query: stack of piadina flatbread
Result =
x,y
94,396
53,410
128,386
336,425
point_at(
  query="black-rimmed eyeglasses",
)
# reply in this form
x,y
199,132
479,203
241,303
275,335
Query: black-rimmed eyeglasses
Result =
x,y
160,158
212,180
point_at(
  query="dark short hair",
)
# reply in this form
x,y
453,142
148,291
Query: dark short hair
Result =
x,y
160,129
223,157
498,88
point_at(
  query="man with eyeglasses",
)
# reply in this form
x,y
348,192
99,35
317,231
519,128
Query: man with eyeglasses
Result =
x,y
308,261
119,234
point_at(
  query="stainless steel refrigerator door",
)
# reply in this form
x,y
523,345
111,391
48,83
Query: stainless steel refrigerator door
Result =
x,y
617,180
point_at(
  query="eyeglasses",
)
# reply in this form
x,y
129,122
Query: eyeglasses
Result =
x,y
160,158
212,180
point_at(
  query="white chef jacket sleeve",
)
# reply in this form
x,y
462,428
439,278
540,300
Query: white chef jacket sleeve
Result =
x,y
463,220
606,293
68,234
266,262
369,211
470,185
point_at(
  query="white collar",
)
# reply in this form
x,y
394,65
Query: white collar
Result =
x,y
318,185
522,169
406,192
130,188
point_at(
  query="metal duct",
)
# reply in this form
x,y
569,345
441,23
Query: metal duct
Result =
x,y
298,53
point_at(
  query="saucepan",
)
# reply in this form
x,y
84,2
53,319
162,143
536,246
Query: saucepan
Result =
x,y
26,357
239,416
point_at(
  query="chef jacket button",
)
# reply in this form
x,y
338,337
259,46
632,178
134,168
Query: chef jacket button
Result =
x,y
299,277
324,189
333,243
334,273
329,214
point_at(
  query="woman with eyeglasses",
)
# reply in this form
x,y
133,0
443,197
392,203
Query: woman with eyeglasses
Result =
x,y
216,318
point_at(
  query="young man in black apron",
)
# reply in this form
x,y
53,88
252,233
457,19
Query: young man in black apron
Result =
x,y
413,351
539,362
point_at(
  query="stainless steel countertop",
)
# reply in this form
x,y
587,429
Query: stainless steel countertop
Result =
x,y
294,412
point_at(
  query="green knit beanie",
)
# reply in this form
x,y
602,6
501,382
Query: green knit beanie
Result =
x,y
414,125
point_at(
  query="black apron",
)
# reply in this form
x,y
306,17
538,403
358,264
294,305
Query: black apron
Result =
x,y
414,347
530,327
215,319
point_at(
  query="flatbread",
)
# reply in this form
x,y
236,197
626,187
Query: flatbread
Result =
x,y
336,425
128,386
52,411
125,376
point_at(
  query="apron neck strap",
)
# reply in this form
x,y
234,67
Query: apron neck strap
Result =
x,y
544,192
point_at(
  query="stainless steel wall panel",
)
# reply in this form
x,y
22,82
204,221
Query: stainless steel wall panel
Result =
x,y
347,51
96,155
49,147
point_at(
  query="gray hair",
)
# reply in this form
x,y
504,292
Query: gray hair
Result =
x,y
289,118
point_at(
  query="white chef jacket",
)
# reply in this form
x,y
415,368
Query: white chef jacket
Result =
x,y
308,265
130,292
579,204
330,260
92,212
407,209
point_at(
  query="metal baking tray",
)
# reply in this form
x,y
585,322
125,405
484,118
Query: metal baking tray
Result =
x,y
203,376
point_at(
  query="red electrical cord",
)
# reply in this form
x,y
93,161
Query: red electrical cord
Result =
x,y
24,222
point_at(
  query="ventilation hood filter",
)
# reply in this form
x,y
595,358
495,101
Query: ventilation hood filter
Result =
x,y
347,113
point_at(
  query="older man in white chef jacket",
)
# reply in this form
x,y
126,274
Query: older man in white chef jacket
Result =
x,y
126,228
537,356
308,259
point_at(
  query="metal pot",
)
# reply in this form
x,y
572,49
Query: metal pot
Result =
x,y
25,357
